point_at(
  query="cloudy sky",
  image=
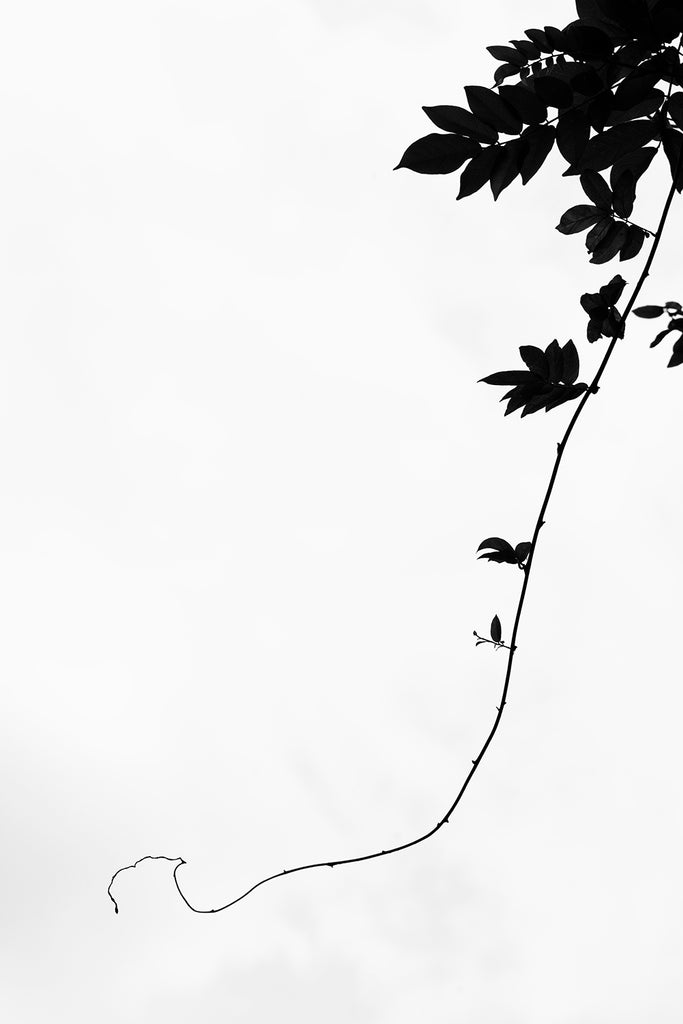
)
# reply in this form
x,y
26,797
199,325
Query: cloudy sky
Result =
x,y
244,471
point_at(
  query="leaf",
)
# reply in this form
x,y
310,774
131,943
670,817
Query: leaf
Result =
x,y
564,394
537,36
613,290
498,544
519,396
508,166
490,108
625,195
508,377
636,163
480,642
478,171
597,233
573,132
597,189
675,109
504,71
535,405
647,106
570,363
587,42
528,49
522,550
648,312
496,630
610,245
635,87
672,142
508,55
553,91
525,103
660,337
438,154
606,148
587,82
600,109
555,361
539,140
633,244
677,355
536,360
457,119
555,37
578,218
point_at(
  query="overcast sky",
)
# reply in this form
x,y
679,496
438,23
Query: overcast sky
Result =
x,y
245,468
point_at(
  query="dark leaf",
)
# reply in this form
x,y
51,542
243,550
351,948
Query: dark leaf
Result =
x,y
529,50
586,42
625,194
672,141
633,244
599,110
675,109
594,305
520,396
508,166
579,218
438,154
508,377
553,91
634,88
478,171
525,103
555,37
522,550
508,55
573,132
487,105
610,245
496,556
539,141
504,71
480,642
604,149
537,36
457,119
597,189
613,290
570,363
564,394
536,360
497,543
646,107
496,630
677,355
660,337
535,405
648,312
596,234
636,163
555,361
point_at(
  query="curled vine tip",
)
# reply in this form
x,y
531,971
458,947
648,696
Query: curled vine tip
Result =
x,y
172,860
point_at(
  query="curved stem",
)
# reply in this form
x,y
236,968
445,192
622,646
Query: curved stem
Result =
x,y
512,648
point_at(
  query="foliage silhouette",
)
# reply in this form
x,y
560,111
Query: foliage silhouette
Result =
x,y
612,80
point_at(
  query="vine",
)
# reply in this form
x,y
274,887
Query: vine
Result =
x,y
602,75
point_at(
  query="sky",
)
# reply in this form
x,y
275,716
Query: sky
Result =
x,y
245,468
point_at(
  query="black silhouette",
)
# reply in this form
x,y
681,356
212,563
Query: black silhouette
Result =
x,y
611,79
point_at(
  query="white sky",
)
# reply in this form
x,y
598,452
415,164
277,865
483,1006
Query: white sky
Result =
x,y
245,469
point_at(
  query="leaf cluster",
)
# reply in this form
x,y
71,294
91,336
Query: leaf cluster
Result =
x,y
503,551
675,312
604,319
548,381
601,78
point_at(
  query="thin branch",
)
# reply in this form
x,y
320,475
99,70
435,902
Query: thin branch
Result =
x,y
540,522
